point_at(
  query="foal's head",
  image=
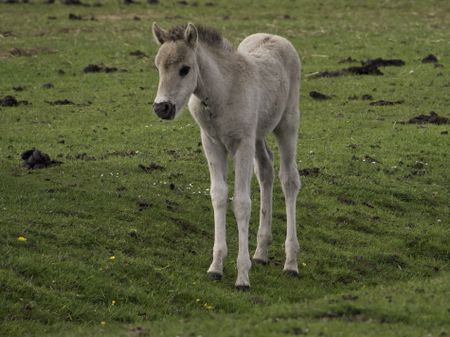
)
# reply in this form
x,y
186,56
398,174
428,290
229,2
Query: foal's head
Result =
x,y
178,69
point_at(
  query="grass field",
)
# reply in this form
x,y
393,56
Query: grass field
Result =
x,y
98,246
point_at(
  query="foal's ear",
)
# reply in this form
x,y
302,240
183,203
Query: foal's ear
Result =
x,y
191,35
158,33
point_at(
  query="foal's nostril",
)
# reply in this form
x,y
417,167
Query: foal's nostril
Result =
x,y
164,110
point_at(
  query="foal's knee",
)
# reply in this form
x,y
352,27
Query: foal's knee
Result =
x,y
290,181
219,194
242,206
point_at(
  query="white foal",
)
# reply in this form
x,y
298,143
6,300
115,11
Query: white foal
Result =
x,y
237,97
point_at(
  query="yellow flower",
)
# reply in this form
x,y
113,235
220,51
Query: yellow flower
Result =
x,y
21,238
113,302
303,264
197,300
103,323
112,257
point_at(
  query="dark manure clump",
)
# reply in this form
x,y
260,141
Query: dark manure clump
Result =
x,y
318,96
35,159
60,102
430,58
356,70
380,62
348,60
367,67
72,2
9,101
151,167
384,103
138,54
95,68
309,172
433,118
75,17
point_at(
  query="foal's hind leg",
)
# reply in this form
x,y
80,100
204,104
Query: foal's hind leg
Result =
x,y
217,161
286,135
264,173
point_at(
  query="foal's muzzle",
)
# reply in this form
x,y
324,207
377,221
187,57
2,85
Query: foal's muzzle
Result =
x,y
165,110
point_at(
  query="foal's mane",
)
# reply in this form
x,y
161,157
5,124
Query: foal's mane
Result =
x,y
208,35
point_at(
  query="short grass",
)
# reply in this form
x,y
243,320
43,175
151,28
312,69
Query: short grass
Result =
x,y
112,250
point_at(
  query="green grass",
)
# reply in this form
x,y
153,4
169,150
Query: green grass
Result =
x,y
375,266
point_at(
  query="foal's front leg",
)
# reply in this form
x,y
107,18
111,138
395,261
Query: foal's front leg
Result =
x,y
242,206
216,155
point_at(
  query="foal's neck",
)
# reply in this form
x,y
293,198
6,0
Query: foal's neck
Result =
x,y
216,74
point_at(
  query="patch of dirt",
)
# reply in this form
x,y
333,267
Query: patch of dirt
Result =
x,y
14,1
139,331
143,204
48,85
296,331
371,159
350,297
172,205
72,2
95,68
19,88
125,153
349,313
380,62
151,167
309,172
138,54
348,60
75,17
35,159
22,52
85,156
9,101
319,96
384,103
365,203
345,200
365,97
357,70
6,34
60,102
430,58
433,118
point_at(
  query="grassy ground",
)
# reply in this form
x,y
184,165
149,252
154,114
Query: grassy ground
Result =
x,y
98,247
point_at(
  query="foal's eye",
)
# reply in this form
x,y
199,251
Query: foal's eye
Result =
x,y
184,71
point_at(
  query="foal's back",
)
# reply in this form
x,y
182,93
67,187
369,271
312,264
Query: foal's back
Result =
x,y
277,73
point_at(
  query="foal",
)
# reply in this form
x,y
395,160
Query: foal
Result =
x,y
237,97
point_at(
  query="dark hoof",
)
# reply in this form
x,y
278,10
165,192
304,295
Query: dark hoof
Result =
x,y
291,273
261,262
214,276
243,288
